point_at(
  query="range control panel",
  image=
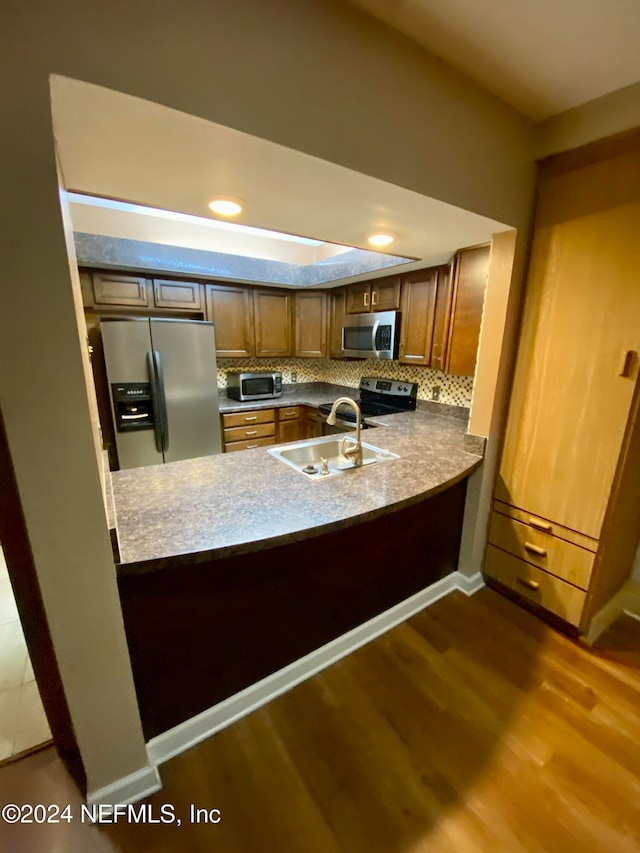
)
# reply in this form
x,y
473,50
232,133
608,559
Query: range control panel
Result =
x,y
388,386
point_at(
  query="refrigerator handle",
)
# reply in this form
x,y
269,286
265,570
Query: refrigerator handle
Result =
x,y
155,400
162,402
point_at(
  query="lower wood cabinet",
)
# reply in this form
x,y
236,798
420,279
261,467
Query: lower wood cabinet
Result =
x,y
248,429
262,427
291,424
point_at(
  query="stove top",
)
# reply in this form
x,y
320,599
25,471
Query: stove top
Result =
x,y
378,396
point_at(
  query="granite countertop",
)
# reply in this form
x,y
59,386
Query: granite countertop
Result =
x,y
217,506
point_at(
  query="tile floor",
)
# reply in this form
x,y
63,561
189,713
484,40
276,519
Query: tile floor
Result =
x,y
23,724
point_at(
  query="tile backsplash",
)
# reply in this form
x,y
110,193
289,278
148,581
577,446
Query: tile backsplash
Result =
x,y
453,390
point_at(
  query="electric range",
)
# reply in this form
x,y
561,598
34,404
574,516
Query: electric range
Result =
x,y
378,396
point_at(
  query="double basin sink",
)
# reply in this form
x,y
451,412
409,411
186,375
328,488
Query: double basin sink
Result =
x,y
307,456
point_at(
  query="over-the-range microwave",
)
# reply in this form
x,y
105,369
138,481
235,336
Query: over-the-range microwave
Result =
x,y
254,386
371,335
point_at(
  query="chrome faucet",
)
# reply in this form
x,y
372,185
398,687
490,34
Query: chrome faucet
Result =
x,y
355,450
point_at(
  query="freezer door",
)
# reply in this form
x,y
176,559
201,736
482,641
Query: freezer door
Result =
x,y
187,366
126,344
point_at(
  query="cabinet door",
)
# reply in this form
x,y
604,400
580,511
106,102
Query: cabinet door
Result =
x,y
272,313
310,318
231,310
291,431
572,394
418,312
469,285
125,290
358,298
385,294
337,305
313,424
441,319
177,294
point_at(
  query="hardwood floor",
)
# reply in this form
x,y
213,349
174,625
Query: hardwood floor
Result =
x,y
471,727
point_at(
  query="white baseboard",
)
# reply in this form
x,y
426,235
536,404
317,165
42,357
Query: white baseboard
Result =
x,y
193,731
129,789
469,583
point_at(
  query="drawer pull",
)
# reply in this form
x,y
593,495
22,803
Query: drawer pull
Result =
x,y
541,525
251,432
252,418
251,446
628,363
527,582
535,549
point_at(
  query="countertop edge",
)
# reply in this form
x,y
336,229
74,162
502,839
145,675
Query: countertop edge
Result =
x,y
204,556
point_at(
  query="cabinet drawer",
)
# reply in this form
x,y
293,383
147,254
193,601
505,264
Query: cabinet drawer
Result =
x,y
250,444
257,416
545,524
249,432
290,414
553,594
562,559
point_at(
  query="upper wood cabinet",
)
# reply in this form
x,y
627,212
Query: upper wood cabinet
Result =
x,y
231,310
467,300
177,294
419,290
441,319
383,294
105,289
310,324
571,453
116,289
272,319
337,308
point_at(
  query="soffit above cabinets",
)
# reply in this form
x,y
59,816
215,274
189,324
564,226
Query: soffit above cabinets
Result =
x,y
120,147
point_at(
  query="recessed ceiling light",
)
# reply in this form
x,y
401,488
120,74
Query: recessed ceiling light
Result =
x,y
380,239
226,206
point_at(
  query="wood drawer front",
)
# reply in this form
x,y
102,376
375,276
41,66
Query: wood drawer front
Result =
x,y
258,416
561,598
249,445
251,431
290,414
120,290
562,559
546,524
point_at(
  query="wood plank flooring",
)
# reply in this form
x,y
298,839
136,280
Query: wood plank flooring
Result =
x,y
471,727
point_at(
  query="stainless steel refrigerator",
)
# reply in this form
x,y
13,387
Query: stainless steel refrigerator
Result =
x,y
163,389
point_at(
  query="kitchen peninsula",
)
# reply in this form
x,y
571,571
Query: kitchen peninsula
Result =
x,y
235,565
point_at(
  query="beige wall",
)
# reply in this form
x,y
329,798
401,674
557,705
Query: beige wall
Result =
x,y
319,76
493,376
613,113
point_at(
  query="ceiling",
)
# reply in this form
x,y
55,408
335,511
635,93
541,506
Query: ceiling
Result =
x,y
126,148
542,57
